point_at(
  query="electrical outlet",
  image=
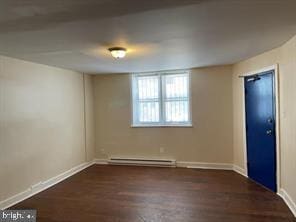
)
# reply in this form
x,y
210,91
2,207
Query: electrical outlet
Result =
x,y
102,151
161,149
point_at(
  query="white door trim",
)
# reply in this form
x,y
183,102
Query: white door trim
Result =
x,y
277,116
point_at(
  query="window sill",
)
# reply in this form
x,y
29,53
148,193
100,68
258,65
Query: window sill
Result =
x,y
162,126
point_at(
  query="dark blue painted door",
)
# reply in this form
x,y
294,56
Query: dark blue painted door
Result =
x,y
260,128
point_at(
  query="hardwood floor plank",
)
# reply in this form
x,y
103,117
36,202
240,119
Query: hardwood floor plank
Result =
x,y
151,194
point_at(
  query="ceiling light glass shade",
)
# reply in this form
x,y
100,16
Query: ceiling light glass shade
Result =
x,y
118,52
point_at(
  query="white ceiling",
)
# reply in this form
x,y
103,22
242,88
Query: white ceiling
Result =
x,y
159,34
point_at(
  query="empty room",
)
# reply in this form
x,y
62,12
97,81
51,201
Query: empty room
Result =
x,y
148,110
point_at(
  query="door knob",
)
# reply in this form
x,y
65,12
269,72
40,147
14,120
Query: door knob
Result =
x,y
269,132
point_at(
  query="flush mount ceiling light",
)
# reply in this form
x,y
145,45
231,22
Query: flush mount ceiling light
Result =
x,y
118,52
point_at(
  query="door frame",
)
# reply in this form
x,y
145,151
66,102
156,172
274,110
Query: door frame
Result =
x,y
277,120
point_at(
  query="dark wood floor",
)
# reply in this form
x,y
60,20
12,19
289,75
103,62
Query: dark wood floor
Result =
x,y
138,194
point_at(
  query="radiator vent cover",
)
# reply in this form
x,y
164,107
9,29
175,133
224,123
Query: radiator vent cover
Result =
x,y
142,162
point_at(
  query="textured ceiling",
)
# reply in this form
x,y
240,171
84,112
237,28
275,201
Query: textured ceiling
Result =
x,y
159,34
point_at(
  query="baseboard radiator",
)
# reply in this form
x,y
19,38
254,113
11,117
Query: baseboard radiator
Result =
x,y
142,162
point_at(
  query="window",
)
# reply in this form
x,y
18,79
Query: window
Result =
x,y
161,99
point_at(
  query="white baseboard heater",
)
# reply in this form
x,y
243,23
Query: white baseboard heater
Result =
x,y
142,162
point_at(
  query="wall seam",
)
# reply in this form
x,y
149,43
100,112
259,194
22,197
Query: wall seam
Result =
x,y
84,117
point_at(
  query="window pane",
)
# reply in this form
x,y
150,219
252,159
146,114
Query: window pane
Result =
x,y
176,86
148,87
161,98
177,111
148,112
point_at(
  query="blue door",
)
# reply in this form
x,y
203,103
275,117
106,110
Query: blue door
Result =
x,y
260,129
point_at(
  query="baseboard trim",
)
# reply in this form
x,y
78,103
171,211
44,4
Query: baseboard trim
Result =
x,y
101,161
288,200
240,170
202,165
41,186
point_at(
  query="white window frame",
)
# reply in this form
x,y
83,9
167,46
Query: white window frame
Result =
x,y
162,122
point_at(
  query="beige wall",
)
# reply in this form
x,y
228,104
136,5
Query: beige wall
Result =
x,y
210,139
285,56
42,130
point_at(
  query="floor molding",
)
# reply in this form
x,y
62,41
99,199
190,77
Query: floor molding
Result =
x,y
201,165
288,200
41,186
240,170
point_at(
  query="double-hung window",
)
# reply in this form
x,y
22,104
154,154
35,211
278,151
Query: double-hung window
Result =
x,y
161,99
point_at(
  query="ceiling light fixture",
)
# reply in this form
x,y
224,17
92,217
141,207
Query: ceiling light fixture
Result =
x,y
118,52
